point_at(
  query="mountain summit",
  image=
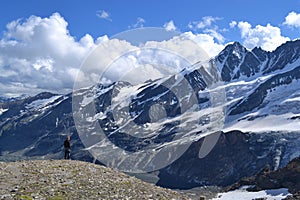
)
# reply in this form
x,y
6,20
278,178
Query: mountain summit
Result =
x,y
235,62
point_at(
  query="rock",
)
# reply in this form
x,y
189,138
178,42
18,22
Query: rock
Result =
x,y
286,177
14,190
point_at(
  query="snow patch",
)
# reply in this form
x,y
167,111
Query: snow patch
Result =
x,y
41,103
292,99
96,92
2,110
125,95
242,193
237,54
265,124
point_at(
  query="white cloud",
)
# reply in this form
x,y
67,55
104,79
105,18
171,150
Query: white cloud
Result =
x,y
245,28
37,54
139,23
215,34
98,63
206,21
210,32
292,19
232,24
170,26
206,42
103,15
182,46
154,59
267,37
117,60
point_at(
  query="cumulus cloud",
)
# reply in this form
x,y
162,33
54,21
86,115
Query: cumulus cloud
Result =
x,y
116,60
99,62
181,46
103,15
267,37
215,34
206,42
39,54
170,26
292,19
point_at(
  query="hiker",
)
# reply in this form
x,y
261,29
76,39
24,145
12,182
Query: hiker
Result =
x,y
67,148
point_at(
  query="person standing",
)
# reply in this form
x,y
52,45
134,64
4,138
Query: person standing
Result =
x,y
67,146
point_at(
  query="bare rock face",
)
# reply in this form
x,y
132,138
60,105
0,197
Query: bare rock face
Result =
x,y
286,177
65,179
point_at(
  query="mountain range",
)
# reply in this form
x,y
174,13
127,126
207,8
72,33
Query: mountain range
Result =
x,y
250,112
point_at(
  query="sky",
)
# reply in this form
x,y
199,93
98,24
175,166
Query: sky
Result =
x,y
43,43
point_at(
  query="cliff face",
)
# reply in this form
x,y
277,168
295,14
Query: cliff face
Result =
x,y
61,179
235,155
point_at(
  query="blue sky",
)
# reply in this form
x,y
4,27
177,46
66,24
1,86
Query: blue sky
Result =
x,y
122,15
48,38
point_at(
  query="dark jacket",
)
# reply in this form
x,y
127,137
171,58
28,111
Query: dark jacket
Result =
x,y
67,144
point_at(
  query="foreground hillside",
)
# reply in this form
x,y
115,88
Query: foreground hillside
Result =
x,y
60,179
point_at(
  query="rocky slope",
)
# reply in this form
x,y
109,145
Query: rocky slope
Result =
x,y
61,179
286,177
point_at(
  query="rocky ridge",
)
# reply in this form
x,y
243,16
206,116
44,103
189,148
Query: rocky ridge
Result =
x,y
68,179
286,177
